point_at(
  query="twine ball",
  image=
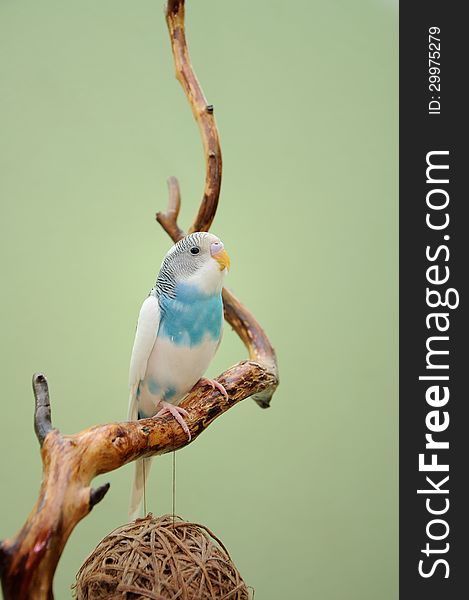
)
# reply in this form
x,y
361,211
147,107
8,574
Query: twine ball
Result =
x,y
160,558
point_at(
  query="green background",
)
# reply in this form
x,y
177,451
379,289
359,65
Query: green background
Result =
x,y
92,122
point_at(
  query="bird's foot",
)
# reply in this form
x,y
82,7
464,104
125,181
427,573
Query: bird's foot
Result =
x,y
214,384
178,413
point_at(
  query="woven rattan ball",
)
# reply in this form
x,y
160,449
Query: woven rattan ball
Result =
x,y
160,558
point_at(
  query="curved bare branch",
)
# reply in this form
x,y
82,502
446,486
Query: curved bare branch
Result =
x,y
70,462
169,219
203,114
238,316
42,412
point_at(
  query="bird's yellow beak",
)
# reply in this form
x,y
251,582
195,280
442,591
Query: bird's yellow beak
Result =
x,y
222,259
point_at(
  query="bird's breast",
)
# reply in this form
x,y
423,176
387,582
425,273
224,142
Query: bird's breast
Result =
x,y
190,317
188,337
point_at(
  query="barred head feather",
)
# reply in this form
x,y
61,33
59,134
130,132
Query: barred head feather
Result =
x,y
184,260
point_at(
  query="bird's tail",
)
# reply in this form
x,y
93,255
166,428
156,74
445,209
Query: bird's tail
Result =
x,y
142,469
142,466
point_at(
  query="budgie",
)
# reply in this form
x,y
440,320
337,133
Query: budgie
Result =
x,y
178,332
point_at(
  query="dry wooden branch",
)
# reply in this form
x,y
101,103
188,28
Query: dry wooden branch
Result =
x,y
169,219
70,462
203,113
238,316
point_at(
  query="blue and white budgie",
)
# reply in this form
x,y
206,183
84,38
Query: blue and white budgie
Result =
x,y
178,332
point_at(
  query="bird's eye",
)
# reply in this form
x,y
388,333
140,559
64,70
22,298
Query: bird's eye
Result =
x,y
195,250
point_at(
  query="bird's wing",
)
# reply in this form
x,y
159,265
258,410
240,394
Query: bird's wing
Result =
x,y
145,336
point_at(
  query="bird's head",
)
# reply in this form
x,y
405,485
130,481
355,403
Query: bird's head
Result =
x,y
198,259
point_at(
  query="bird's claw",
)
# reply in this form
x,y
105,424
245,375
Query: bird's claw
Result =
x,y
214,384
178,413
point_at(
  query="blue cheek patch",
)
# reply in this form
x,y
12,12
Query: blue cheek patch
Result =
x,y
189,317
